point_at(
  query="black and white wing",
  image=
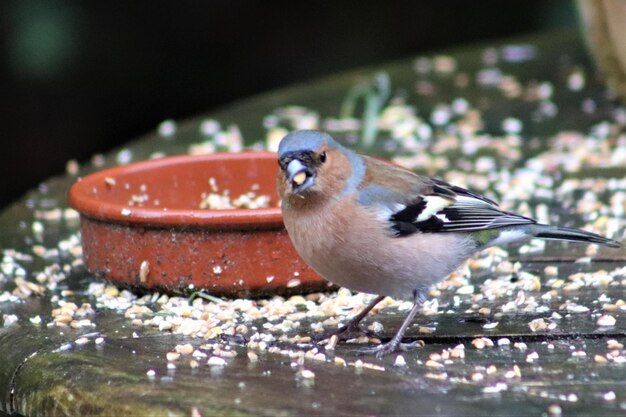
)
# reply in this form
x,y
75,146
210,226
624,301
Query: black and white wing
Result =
x,y
448,208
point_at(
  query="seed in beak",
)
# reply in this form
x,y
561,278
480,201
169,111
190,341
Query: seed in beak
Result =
x,y
299,178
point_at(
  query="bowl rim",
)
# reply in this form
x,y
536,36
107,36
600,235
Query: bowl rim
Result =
x,y
80,200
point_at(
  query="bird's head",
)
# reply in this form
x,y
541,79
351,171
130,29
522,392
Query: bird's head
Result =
x,y
311,163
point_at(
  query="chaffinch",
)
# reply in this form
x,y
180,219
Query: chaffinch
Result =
x,y
371,226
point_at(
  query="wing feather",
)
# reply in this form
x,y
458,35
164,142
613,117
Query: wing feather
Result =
x,y
448,208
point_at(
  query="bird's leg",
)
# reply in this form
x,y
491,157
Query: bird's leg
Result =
x,y
396,342
353,324
352,327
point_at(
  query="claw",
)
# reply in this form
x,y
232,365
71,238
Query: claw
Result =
x,y
396,343
387,348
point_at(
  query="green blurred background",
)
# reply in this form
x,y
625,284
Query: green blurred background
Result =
x,y
81,77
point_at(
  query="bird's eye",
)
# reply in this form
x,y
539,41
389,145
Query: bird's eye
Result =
x,y
323,157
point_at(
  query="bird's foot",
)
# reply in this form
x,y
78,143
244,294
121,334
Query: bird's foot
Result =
x,y
390,347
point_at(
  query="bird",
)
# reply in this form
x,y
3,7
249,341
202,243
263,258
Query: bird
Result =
x,y
371,226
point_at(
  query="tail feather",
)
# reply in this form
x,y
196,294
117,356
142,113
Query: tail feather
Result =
x,y
573,235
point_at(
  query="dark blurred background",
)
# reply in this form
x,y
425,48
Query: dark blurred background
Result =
x,y
81,77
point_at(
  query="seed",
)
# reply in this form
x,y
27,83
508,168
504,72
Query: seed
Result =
x,y
520,345
504,341
551,270
63,320
478,343
555,410
477,377
340,361
332,342
144,270
606,321
400,361
81,341
609,396
359,340
614,344
185,349
216,361
517,371
465,290
307,374
537,325
292,283
494,389
599,359
490,326
199,354
482,342
433,364
458,352
111,291
299,178
439,376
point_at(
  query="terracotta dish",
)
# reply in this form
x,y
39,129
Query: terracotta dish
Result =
x,y
142,227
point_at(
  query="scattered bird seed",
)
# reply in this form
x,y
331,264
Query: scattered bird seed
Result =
x,y
609,396
606,321
186,349
306,374
538,325
216,361
144,270
495,167
81,341
400,361
555,410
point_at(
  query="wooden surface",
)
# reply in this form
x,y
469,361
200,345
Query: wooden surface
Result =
x,y
571,369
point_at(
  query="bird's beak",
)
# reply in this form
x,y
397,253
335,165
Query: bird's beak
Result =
x,y
296,172
298,175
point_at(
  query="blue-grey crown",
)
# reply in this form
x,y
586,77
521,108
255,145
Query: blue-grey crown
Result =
x,y
305,140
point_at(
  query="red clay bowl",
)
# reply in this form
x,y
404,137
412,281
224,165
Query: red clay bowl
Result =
x,y
242,252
